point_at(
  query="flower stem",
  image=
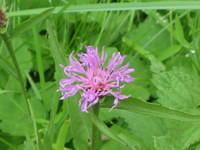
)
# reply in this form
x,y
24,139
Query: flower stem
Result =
x,y
96,137
9,46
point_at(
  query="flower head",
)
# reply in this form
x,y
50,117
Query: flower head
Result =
x,y
95,77
3,19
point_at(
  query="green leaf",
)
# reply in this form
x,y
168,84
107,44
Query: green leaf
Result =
x,y
140,107
130,138
156,65
162,143
5,91
135,125
29,144
113,145
20,124
169,52
150,35
61,139
23,56
79,125
173,140
8,144
50,96
178,89
31,22
142,74
136,91
56,51
6,66
179,34
110,133
34,87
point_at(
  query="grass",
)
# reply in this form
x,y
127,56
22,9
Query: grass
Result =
x,y
160,40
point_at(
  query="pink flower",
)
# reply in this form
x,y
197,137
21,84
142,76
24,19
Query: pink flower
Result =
x,y
91,75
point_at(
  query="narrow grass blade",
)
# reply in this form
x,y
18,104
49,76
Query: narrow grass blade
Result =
x,y
60,142
115,7
31,22
56,51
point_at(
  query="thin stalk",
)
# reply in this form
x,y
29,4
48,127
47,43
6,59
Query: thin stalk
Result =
x,y
9,46
96,137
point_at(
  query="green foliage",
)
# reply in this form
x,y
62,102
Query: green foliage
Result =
x,y
178,89
162,46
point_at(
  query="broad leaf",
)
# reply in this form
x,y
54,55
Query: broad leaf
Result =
x,y
140,107
178,89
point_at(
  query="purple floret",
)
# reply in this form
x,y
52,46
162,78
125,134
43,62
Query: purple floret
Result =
x,y
94,78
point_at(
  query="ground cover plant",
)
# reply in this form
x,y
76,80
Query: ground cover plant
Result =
x,y
159,108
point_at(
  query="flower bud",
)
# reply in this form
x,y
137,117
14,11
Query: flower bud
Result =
x,y
3,21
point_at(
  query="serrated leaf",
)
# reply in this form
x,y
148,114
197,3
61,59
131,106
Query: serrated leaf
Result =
x,y
135,124
180,135
178,89
14,116
13,106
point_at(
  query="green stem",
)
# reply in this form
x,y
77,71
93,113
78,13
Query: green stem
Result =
x,y
12,54
96,137
9,46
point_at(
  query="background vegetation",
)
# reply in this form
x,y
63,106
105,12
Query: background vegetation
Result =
x,y
161,40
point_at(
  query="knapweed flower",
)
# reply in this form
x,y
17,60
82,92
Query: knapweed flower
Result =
x,y
95,76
